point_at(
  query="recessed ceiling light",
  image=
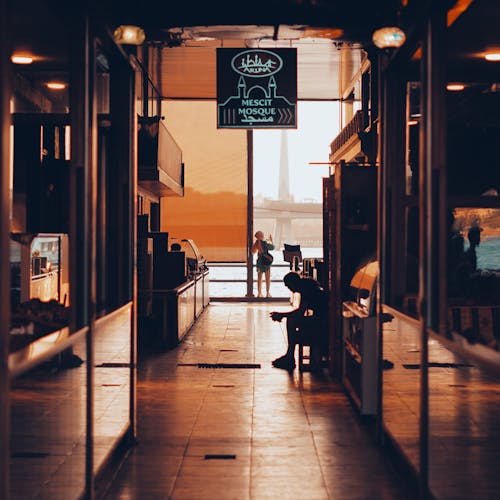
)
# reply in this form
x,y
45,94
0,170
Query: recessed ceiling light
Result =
x,y
204,38
56,85
492,56
21,59
455,87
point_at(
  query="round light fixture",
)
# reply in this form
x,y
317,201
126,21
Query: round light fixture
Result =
x,y
455,87
56,85
21,59
129,35
492,56
389,37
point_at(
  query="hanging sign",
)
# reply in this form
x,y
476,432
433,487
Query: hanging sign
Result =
x,y
256,88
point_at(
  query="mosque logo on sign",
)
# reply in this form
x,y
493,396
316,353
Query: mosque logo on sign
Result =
x,y
256,102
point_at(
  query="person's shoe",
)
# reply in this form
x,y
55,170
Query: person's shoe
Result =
x,y
268,296
284,362
259,295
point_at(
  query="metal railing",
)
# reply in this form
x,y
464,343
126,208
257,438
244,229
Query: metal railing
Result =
x,y
354,127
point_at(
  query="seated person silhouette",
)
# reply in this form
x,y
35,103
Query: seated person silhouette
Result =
x,y
307,323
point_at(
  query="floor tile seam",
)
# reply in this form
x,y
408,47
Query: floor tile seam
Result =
x,y
316,451
195,421
212,376
252,315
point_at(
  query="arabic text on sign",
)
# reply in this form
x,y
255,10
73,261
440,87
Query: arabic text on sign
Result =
x,y
256,65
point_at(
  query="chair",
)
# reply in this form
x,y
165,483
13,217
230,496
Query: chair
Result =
x,y
310,356
313,345
292,253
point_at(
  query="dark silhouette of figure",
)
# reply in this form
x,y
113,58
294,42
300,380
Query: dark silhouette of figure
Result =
x,y
468,277
474,236
308,322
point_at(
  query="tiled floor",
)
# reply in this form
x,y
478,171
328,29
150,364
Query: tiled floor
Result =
x,y
247,433
464,405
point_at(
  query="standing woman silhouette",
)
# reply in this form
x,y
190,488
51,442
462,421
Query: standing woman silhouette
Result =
x,y
261,247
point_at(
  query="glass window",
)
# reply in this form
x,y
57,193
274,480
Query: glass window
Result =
x,y
213,210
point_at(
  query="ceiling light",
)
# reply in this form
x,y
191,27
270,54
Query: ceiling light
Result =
x,y
129,35
329,33
56,85
388,37
492,56
413,122
204,38
21,59
455,87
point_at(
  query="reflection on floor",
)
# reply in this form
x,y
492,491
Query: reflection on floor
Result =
x,y
464,407
48,416
247,433
47,434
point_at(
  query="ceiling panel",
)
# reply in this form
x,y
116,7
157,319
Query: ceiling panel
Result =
x,y
189,72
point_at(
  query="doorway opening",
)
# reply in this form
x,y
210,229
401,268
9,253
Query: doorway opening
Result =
x,y
286,173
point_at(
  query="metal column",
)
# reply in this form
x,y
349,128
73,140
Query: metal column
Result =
x,y
249,213
5,207
83,211
432,200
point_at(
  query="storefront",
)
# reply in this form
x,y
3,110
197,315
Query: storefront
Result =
x,y
438,240
68,215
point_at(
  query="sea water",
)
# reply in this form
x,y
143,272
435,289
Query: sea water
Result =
x,y
488,254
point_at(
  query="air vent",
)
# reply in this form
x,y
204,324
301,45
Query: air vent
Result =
x,y
437,365
220,457
114,365
228,365
29,454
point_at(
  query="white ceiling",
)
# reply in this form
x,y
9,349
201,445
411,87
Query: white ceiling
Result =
x,y
186,67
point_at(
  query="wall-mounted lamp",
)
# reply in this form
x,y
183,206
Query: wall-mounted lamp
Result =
x,y
56,85
492,56
455,87
21,59
389,37
129,35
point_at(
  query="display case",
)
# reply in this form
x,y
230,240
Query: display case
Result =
x,y
360,341
39,289
173,286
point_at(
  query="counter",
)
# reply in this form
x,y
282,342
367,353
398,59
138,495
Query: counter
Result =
x,y
174,311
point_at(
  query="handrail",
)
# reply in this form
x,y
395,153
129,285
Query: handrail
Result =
x,y
355,126
43,349
160,157
169,155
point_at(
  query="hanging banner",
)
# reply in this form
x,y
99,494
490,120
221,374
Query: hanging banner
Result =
x,y
256,88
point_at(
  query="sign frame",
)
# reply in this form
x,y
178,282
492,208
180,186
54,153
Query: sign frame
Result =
x,y
257,88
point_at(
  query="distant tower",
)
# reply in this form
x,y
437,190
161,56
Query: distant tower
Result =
x,y
284,179
283,230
